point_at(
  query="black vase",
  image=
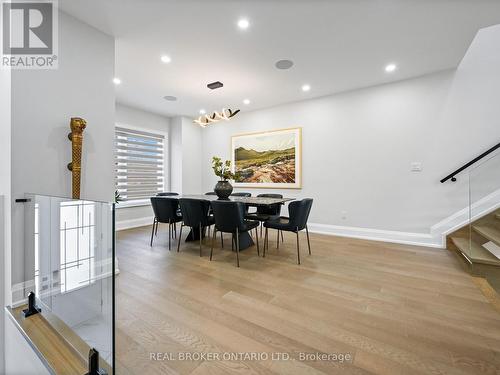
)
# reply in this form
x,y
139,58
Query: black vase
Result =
x,y
223,189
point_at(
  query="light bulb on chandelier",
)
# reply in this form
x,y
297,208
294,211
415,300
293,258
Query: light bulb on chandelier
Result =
x,y
206,119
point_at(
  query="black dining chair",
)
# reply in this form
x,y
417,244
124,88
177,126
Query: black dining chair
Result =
x,y
195,215
210,210
245,195
230,218
169,194
166,210
241,195
265,213
298,212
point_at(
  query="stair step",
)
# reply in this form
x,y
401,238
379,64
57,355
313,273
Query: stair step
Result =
x,y
490,233
475,253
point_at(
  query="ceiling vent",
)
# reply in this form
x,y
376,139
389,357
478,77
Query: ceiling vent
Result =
x,y
215,85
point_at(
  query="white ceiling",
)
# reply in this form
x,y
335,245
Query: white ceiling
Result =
x,y
336,46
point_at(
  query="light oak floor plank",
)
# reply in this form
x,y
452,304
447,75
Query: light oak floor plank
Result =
x,y
396,309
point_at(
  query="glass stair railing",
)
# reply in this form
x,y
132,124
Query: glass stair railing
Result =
x,y
479,241
69,261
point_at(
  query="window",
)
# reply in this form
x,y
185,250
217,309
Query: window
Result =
x,y
77,255
140,161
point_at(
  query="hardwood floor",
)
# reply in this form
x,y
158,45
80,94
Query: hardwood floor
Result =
x,y
396,309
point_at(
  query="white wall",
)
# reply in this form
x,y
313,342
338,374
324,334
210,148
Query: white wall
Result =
x,y
43,102
358,146
357,149
191,157
21,359
126,115
175,148
5,186
2,283
185,156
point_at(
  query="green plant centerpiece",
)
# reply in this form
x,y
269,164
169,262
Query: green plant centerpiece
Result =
x,y
223,188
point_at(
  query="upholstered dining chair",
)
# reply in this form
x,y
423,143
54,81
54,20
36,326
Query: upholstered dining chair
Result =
x,y
169,194
195,215
230,218
166,210
265,213
298,214
245,195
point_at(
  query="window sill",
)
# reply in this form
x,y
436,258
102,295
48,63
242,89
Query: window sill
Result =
x,y
138,203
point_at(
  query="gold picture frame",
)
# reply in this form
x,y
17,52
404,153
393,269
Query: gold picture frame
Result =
x,y
269,159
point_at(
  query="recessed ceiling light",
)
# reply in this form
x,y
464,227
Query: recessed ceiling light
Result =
x,y
243,23
246,101
202,111
283,64
166,59
170,98
390,68
306,88
117,81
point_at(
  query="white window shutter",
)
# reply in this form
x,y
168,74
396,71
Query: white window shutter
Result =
x,y
139,163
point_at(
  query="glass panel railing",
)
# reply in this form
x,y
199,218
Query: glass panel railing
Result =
x,y
484,218
69,259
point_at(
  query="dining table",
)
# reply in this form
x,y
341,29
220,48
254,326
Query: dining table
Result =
x,y
245,240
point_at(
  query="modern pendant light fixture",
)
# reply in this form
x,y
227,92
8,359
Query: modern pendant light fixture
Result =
x,y
215,116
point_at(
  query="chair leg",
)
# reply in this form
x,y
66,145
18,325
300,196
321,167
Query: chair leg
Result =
x,y
278,239
257,240
232,242
221,240
265,243
237,248
156,230
200,239
169,234
298,250
180,237
152,232
261,225
213,241
308,243
282,240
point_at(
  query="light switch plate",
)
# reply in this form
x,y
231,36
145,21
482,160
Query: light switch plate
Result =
x,y
416,166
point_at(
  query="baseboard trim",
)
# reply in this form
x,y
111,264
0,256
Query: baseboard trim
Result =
x,y
461,218
407,238
134,223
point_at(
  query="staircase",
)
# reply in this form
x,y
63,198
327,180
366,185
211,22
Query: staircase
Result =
x,y
478,244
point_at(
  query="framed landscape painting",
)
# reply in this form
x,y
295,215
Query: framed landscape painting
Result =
x,y
270,159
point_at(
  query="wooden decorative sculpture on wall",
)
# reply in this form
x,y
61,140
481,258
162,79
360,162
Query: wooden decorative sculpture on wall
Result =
x,y
77,126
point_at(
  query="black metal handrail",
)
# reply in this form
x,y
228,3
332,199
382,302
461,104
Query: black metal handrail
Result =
x,y
465,166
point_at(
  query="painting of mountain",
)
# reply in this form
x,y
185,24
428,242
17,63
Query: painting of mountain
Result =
x,y
267,159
